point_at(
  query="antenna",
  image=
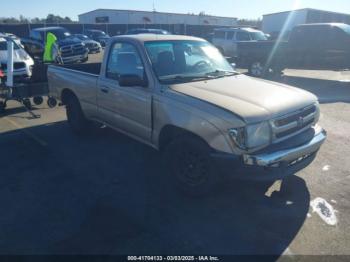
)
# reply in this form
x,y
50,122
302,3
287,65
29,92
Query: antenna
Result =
x,y
154,7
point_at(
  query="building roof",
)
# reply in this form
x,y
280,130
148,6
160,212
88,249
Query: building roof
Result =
x,y
306,9
125,10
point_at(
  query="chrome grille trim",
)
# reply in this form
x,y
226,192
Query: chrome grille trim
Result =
x,y
292,124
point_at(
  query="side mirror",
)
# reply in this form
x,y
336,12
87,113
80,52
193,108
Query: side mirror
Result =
x,y
132,80
233,66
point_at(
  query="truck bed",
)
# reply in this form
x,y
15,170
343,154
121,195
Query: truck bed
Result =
x,y
91,68
79,78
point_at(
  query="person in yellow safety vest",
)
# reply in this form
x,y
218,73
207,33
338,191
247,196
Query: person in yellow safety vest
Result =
x,y
51,52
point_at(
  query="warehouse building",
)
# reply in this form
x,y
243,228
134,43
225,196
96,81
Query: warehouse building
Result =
x,y
112,16
274,23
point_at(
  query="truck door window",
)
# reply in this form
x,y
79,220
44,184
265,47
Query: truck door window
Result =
x,y
124,59
242,36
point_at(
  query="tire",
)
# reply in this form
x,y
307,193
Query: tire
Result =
x,y
75,116
38,100
257,69
51,102
187,160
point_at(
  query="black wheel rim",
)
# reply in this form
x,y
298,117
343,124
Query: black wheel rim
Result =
x,y
192,168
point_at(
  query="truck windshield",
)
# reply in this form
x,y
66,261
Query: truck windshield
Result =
x,y
258,36
61,34
175,61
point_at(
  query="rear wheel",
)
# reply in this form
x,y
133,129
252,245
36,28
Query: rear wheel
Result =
x,y
76,117
188,162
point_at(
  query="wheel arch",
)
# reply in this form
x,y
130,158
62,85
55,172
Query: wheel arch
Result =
x,y
170,132
66,95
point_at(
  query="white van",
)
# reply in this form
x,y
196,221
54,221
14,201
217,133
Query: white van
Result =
x,y
226,39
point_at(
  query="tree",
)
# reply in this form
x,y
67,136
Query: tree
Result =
x,y
50,19
250,22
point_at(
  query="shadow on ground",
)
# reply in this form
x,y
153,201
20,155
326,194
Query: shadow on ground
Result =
x,y
106,194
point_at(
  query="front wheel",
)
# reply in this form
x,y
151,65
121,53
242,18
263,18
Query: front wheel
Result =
x,y
189,164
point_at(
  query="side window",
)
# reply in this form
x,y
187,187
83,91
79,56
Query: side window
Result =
x,y
229,35
242,36
124,59
219,34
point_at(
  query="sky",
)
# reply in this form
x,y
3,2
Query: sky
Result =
x,y
232,8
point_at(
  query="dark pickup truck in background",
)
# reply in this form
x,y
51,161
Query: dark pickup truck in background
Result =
x,y
313,46
72,50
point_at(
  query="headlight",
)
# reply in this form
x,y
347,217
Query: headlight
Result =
x,y
258,135
252,136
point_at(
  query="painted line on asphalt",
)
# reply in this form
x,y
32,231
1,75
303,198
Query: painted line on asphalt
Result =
x,y
30,134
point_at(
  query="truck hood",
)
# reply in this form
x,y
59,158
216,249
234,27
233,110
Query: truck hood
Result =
x,y
252,99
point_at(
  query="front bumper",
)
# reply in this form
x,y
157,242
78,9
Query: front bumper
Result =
x,y
75,58
274,163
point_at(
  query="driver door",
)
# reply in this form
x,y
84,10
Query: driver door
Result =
x,y
127,109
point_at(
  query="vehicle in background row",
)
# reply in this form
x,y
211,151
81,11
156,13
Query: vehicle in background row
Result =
x,y
138,31
23,63
92,45
178,94
98,35
227,39
71,50
323,46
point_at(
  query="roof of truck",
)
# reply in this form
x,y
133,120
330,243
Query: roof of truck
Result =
x,y
157,37
44,29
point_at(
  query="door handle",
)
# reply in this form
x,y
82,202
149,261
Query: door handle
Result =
x,y
104,89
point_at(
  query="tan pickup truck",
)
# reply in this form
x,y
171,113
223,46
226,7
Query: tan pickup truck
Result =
x,y
179,95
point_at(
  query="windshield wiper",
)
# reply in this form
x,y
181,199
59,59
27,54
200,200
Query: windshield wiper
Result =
x,y
222,73
185,78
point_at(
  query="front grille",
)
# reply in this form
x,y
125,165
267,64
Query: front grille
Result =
x,y
294,123
16,65
72,50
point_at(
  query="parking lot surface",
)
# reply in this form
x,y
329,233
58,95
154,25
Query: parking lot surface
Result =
x,y
107,194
